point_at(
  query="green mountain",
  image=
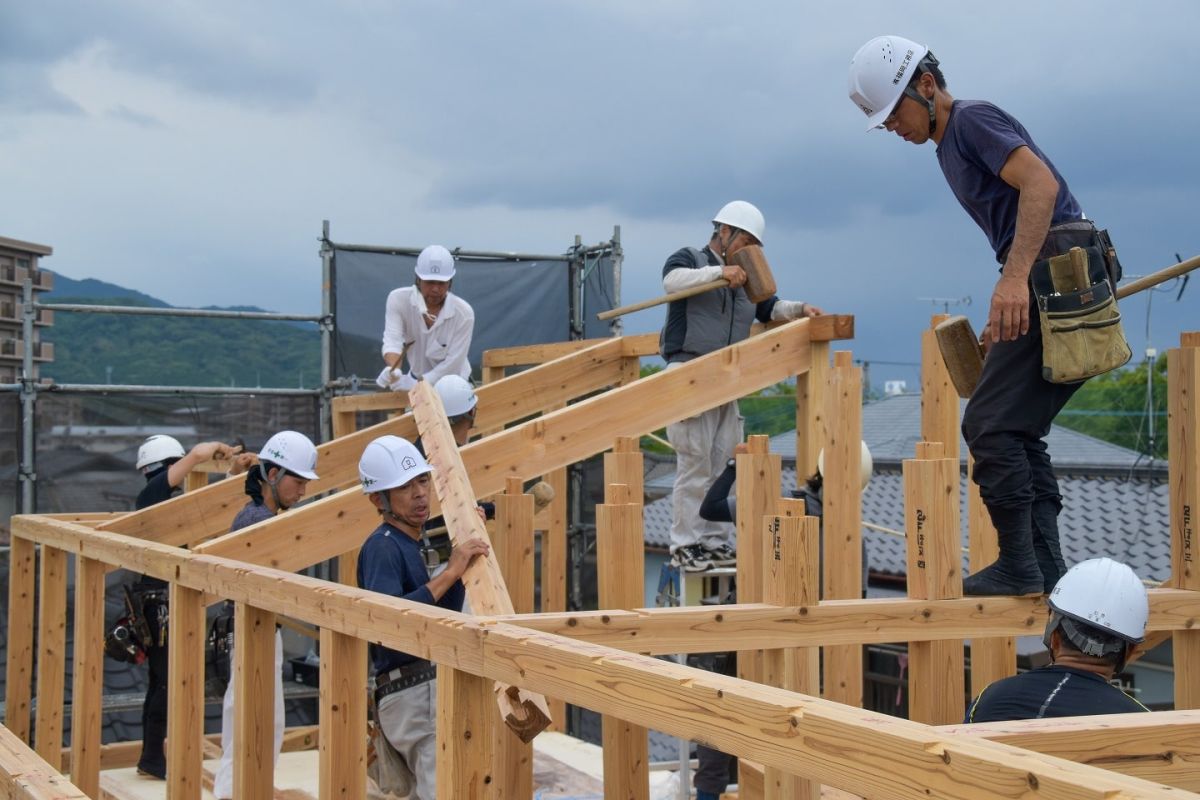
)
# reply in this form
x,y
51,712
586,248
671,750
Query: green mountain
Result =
x,y
179,351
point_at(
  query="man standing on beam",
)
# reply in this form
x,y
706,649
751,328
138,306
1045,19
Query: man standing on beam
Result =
x,y
1013,192
697,326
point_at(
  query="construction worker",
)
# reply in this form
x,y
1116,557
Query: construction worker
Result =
x,y
459,401
1098,614
397,560
428,325
1022,204
164,463
286,463
696,326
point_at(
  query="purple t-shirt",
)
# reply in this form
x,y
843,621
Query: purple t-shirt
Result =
x,y
978,141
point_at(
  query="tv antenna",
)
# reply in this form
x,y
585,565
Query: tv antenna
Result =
x,y
946,302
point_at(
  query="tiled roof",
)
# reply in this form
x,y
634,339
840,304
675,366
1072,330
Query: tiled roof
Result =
x,y
1102,516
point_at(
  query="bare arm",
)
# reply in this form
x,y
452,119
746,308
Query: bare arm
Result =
x,y
205,451
460,558
1008,317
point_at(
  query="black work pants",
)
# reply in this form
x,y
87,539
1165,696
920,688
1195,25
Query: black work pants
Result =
x,y
1010,413
154,708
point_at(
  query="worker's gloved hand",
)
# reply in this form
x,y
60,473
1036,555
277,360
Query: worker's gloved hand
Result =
x,y
395,380
794,309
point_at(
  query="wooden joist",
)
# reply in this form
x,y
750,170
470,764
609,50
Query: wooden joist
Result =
x,y
25,776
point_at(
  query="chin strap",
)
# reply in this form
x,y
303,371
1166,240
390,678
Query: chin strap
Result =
x,y
271,484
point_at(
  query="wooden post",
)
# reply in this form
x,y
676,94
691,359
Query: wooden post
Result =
x,y
343,742
185,693
491,375
939,400
620,567
463,746
757,492
195,480
991,658
1183,437
51,661
623,465
512,770
254,702
344,422
935,669
554,571
791,568
810,410
18,687
88,684
842,564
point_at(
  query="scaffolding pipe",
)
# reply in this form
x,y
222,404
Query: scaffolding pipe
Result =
x,y
28,398
326,332
232,391
211,313
460,253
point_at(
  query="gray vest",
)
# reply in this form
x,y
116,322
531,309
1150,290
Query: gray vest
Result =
x,y
715,319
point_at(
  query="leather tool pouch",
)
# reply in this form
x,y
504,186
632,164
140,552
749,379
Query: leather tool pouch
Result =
x,y
1081,327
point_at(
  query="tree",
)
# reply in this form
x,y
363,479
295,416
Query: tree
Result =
x,y
1114,407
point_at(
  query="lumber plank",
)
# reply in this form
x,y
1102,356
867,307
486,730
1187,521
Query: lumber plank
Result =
x,y
935,669
525,355
88,675
373,401
842,506
343,746
810,410
624,465
1163,746
554,568
254,701
852,749
52,655
1183,459
24,775
332,525
18,687
526,713
185,693
939,399
620,567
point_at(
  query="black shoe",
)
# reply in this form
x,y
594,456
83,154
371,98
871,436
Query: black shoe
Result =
x,y
691,558
996,579
1046,547
152,771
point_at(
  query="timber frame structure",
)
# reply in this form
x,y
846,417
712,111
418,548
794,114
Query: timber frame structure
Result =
x,y
792,732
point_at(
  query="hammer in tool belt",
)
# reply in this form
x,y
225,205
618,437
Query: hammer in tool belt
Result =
x,y
963,352
760,283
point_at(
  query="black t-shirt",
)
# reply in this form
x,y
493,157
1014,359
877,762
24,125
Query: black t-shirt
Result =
x,y
156,490
1050,692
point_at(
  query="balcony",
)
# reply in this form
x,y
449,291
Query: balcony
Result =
x,y
12,313
13,275
14,349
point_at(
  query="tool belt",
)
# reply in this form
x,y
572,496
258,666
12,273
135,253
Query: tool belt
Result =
x,y
405,677
1081,327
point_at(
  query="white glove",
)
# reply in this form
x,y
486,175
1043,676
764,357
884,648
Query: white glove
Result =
x,y
395,381
788,310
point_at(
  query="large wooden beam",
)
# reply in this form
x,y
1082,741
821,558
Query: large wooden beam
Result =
x,y
52,654
1183,444
24,775
661,631
333,525
88,680
860,751
525,712
343,747
1163,747
757,494
254,701
185,693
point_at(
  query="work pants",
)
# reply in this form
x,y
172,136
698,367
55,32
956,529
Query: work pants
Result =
x,y
703,444
223,782
154,707
407,718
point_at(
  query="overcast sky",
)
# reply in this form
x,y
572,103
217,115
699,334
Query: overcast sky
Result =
x,y
191,149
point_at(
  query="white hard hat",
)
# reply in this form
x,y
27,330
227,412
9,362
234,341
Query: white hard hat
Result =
x,y
157,449
866,464
435,264
1103,594
388,462
879,73
458,396
292,451
744,216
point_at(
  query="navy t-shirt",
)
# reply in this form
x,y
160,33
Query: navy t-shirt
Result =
x,y
1050,692
156,490
979,139
390,562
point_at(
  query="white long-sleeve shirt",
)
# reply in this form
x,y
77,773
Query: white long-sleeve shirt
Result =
x,y
433,352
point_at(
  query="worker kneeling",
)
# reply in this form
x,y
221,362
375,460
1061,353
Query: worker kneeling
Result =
x,y
397,559
1098,614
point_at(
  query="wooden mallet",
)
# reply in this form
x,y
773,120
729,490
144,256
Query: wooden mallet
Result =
x,y
963,353
760,283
